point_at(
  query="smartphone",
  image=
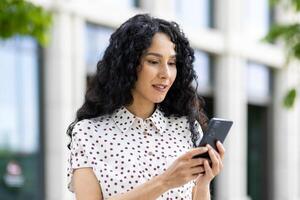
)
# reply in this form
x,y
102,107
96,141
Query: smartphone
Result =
x,y
217,131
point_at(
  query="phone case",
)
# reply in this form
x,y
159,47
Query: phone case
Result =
x,y
217,130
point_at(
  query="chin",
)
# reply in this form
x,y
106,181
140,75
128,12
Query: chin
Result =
x,y
158,100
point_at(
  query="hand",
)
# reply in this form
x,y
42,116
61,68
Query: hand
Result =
x,y
210,171
185,168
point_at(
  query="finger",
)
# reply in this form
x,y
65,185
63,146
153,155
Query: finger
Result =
x,y
196,162
214,160
192,177
220,165
196,176
198,170
219,160
218,155
221,149
193,152
208,169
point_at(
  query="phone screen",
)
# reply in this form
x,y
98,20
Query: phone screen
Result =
x,y
217,131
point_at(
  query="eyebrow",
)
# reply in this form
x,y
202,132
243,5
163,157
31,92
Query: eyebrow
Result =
x,y
158,55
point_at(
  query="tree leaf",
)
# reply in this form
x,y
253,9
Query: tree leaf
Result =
x,y
283,31
273,2
19,17
296,4
296,50
289,99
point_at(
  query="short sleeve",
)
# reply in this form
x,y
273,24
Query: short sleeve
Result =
x,y
78,157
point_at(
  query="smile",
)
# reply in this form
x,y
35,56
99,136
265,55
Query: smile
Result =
x,y
160,87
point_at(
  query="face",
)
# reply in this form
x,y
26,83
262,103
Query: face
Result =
x,y
156,72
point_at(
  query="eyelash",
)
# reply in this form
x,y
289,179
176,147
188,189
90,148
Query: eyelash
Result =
x,y
156,62
152,62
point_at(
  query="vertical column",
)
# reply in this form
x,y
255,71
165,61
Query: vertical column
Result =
x,y
64,88
78,61
286,161
286,137
58,104
231,102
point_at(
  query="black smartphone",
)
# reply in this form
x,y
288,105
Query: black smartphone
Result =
x,y
217,131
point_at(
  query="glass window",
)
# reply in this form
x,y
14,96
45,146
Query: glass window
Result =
x,y
97,39
137,3
259,156
20,156
194,13
122,3
202,66
259,90
258,83
257,18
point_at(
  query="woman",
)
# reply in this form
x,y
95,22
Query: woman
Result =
x,y
135,134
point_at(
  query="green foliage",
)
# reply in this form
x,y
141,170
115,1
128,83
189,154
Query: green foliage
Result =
x,y
289,34
295,4
18,17
290,98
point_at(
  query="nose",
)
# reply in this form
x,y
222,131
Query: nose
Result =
x,y
164,71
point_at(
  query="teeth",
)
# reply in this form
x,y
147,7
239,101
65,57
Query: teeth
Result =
x,y
160,86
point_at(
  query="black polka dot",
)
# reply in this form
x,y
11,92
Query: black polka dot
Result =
x,y
122,156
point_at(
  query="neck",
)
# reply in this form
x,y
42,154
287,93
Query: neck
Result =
x,y
141,110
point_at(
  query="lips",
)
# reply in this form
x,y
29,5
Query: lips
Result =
x,y
160,87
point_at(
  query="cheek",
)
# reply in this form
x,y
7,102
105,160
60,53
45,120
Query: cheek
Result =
x,y
144,78
146,72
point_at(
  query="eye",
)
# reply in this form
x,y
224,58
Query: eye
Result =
x,y
153,62
172,64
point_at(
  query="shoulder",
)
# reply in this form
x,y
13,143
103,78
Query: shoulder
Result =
x,y
89,126
88,123
83,125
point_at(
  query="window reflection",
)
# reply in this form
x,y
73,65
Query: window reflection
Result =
x,y
202,66
97,39
19,96
194,13
122,3
20,164
257,18
258,83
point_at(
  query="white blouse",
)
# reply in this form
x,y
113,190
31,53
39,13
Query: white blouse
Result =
x,y
125,151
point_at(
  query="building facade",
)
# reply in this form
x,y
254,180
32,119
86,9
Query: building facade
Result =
x,y
240,77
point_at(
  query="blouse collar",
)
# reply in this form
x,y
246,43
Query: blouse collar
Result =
x,y
124,119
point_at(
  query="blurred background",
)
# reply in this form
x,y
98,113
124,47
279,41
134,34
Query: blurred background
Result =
x,y
43,78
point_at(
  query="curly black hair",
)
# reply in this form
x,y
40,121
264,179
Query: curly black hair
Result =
x,y
111,86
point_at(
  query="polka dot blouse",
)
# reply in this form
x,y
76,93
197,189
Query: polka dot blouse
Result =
x,y
125,151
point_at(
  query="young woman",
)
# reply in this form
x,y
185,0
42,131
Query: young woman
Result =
x,y
135,135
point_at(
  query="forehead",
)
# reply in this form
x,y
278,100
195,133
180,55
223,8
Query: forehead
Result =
x,y
162,44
